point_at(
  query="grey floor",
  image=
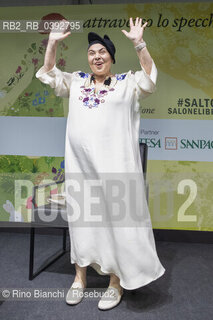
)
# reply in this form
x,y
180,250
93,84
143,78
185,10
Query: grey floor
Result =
x,y
185,291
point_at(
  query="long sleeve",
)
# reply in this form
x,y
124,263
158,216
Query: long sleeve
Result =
x,y
59,80
145,84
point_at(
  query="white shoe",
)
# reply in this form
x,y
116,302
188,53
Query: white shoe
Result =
x,y
75,294
111,298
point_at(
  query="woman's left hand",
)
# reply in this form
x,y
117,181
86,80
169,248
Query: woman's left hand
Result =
x,y
136,31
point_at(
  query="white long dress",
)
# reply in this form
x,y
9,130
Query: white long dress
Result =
x,y
102,143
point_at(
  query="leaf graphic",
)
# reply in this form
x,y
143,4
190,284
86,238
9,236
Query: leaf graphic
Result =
x,y
33,45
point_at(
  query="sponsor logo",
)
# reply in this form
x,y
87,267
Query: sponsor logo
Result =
x,y
151,142
196,144
171,143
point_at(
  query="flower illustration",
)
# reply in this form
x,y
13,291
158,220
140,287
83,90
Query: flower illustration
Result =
x,y
44,42
59,172
2,94
29,203
54,191
18,69
61,62
35,61
54,170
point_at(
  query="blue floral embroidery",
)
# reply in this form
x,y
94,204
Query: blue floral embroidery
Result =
x,y
120,76
83,74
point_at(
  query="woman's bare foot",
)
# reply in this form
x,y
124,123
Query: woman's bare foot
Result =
x,y
81,275
115,282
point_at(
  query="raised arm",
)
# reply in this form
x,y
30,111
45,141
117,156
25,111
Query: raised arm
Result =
x,y
50,55
136,36
49,73
146,78
54,38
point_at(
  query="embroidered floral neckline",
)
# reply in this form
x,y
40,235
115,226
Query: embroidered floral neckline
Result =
x,y
89,97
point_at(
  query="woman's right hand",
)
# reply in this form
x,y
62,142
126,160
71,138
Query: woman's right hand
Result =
x,y
60,30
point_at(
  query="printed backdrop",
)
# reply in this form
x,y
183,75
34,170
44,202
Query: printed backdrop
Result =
x,y
176,120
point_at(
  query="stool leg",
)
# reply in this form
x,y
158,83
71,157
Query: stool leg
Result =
x,y
64,239
31,262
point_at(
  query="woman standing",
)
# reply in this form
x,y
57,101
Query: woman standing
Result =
x,y
102,136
